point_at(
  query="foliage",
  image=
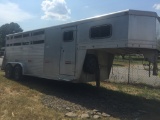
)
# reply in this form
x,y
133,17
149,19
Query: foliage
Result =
x,y
8,29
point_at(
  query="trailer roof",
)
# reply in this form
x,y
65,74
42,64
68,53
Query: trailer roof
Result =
x,y
143,13
114,14
130,12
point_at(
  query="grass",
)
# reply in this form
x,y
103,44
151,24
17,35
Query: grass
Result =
x,y
140,90
23,100
146,98
137,60
19,102
125,62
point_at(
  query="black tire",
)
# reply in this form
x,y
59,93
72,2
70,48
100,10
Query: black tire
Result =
x,y
90,64
18,73
9,71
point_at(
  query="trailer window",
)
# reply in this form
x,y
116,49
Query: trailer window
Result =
x,y
25,43
38,33
38,42
17,44
7,45
7,38
26,35
101,31
18,36
68,36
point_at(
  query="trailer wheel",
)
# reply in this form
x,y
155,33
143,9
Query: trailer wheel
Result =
x,y
18,72
9,71
90,64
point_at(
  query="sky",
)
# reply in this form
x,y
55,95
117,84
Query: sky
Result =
x,y
35,14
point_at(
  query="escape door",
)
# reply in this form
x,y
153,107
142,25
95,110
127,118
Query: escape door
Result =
x,y
68,51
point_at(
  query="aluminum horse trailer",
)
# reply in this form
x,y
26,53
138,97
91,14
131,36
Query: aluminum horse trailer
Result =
x,y
84,50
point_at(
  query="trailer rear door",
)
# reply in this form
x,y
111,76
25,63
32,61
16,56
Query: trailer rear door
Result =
x,y
68,51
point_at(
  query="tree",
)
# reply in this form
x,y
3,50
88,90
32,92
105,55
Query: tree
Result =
x,y
8,29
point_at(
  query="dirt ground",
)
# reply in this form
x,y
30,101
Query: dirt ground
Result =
x,y
35,98
82,98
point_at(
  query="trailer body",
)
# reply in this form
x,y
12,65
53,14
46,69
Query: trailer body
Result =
x,y
60,52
